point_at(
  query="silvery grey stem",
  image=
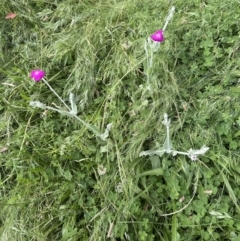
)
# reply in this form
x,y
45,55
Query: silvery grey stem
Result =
x,y
55,93
169,17
87,125
168,140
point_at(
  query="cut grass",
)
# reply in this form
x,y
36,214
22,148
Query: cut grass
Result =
x,y
50,185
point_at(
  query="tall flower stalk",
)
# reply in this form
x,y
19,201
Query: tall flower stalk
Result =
x,y
38,75
152,45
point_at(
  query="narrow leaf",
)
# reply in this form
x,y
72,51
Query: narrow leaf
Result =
x,y
73,104
105,135
155,162
154,172
159,152
230,191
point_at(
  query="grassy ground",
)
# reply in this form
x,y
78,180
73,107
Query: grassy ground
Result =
x,y
60,182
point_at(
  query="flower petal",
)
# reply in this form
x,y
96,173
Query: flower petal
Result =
x,y
10,15
158,36
37,74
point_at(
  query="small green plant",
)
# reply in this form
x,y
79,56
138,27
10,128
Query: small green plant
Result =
x,y
167,146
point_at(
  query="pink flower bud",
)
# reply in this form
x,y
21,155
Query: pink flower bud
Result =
x,y
157,36
37,74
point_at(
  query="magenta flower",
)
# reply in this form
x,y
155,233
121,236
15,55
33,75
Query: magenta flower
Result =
x,y
157,36
37,74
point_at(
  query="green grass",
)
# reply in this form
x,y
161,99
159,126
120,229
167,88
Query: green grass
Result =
x,y
50,185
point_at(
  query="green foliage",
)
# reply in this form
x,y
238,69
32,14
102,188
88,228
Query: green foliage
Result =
x,y
53,185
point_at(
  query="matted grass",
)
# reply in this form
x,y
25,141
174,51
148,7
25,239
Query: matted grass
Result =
x,y
53,185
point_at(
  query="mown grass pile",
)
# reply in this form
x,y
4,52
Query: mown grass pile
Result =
x,y
60,182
